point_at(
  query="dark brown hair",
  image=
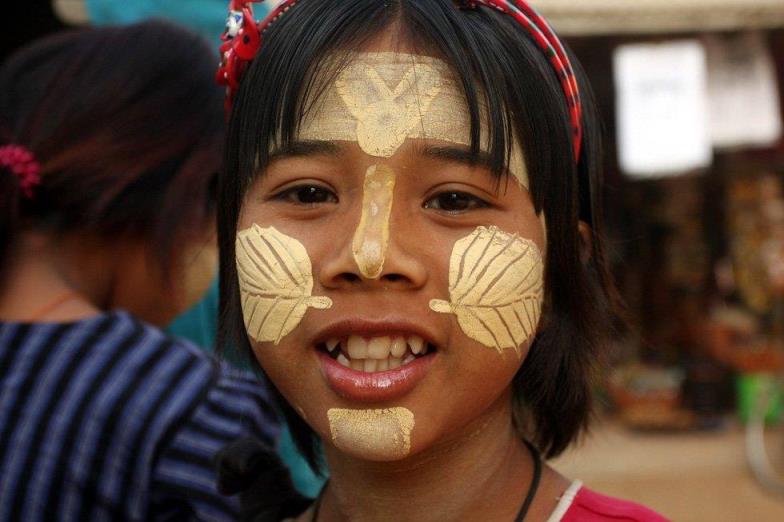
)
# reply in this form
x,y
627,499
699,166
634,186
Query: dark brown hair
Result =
x,y
503,70
127,125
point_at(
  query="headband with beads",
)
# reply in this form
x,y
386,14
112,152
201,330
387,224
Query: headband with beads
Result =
x,y
243,36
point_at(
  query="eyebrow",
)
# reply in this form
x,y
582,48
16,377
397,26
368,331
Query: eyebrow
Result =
x,y
306,148
455,153
459,154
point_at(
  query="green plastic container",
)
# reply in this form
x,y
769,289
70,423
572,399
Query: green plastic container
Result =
x,y
758,390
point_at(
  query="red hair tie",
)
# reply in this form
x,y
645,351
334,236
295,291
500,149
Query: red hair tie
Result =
x,y
22,164
243,36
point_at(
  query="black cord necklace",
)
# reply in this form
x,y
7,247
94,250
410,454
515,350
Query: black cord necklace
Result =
x,y
529,496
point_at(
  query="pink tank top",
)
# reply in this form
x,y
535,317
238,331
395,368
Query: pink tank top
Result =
x,y
580,504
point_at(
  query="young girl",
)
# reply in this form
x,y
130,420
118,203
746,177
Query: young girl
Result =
x,y
409,238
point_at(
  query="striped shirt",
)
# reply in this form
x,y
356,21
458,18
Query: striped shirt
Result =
x,y
109,419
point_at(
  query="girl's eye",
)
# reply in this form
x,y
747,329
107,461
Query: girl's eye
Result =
x,y
307,195
455,202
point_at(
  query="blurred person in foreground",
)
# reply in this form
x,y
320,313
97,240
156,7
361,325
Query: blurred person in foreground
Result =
x,y
199,323
109,144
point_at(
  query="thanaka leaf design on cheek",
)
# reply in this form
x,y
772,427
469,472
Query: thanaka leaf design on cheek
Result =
x,y
495,288
276,283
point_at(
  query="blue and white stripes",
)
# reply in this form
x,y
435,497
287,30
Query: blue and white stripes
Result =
x,y
109,419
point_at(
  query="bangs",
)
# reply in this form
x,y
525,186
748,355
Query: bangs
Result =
x,y
313,42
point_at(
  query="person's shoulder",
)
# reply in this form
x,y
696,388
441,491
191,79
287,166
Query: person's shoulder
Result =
x,y
225,391
150,338
580,504
245,397
204,406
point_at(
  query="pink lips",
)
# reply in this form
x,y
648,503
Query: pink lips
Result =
x,y
377,386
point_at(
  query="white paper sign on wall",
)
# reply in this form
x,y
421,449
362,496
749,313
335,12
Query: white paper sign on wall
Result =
x,y
743,100
662,108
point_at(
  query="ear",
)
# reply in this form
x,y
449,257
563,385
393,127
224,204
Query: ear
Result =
x,y
586,241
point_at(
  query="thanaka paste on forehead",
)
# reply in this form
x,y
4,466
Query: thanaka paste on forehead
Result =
x,y
381,98
379,434
495,288
275,281
371,238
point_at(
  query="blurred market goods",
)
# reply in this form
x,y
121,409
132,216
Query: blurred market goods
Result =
x,y
650,397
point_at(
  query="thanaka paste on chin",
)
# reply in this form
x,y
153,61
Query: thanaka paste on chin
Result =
x,y
380,434
275,281
371,238
381,98
495,288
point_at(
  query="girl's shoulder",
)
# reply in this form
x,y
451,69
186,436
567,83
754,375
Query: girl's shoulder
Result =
x,y
581,504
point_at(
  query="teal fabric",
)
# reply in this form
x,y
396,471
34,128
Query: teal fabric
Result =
x,y
306,482
199,324
207,17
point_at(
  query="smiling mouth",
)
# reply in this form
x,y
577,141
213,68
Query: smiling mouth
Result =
x,y
376,354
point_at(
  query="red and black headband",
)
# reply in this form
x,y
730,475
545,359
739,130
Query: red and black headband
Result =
x,y
243,36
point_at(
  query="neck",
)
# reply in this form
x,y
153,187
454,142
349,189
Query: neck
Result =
x,y
482,474
44,271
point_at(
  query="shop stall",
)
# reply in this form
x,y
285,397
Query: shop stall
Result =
x,y
691,96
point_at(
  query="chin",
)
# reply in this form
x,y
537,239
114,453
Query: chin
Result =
x,y
375,452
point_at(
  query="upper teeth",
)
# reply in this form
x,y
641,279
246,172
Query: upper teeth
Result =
x,y
376,353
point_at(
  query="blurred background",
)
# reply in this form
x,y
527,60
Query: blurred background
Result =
x,y
691,419
690,92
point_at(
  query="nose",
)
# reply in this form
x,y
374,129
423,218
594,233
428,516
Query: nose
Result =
x,y
401,269
377,248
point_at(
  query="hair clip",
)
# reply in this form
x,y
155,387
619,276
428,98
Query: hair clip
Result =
x,y
241,42
22,164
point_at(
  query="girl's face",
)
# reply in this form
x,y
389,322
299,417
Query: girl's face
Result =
x,y
390,286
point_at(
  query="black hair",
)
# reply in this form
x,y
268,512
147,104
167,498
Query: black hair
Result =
x,y
128,127
500,69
